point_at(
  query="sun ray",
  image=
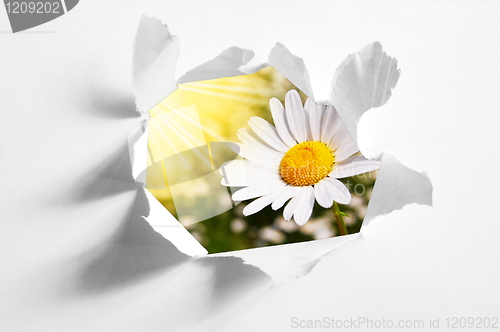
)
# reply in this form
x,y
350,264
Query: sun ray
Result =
x,y
166,138
205,129
212,86
221,94
182,134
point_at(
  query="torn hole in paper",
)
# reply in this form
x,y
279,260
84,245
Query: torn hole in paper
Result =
x,y
188,141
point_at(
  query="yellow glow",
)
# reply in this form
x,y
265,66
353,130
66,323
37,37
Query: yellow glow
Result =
x,y
225,104
306,164
199,113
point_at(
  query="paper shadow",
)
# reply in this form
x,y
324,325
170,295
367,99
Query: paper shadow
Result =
x,y
113,176
134,251
232,278
112,104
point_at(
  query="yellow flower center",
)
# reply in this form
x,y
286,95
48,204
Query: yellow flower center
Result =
x,y
306,163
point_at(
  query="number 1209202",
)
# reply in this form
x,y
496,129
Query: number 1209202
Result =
x,y
32,7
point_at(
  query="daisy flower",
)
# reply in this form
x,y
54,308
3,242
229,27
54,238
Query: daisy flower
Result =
x,y
299,159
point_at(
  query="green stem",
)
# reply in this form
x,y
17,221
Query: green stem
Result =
x,y
340,219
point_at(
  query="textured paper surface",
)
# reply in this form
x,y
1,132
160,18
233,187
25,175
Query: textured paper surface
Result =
x,y
74,261
364,80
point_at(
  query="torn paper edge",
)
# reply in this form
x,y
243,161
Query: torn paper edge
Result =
x,y
159,217
155,56
286,262
397,186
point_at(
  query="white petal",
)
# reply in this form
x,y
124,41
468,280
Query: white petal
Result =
x,y
296,116
340,135
304,207
254,155
323,194
329,124
290,207
243,173
315,113
287,193
279,119
255,143
260,189
260,203
328,190
353,166
346,149
267,132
